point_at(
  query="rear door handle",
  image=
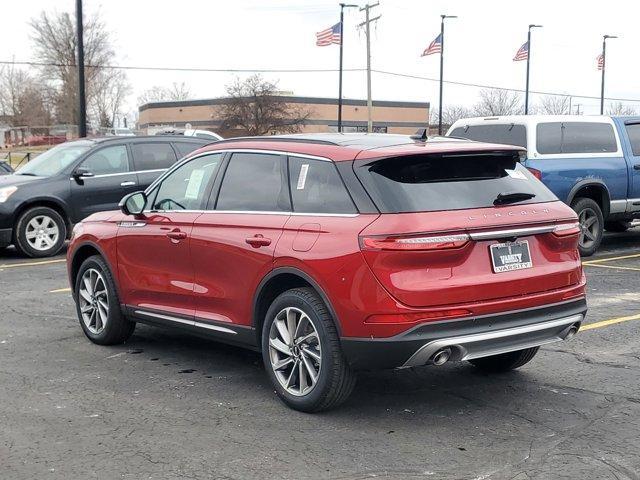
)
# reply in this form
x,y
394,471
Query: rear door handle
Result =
x,y
127,184
176,234
258,241
636,166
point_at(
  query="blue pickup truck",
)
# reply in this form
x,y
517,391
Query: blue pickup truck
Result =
x,y
590,162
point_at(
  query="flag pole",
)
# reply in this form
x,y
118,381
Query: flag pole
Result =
x,y
604,63
442,17
526,91
342,6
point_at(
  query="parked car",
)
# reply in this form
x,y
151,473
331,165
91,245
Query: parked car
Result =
x,y
590,162
331,253
5,168
191,133
41,201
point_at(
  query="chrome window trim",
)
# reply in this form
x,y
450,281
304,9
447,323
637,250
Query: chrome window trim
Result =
x,y
184,321
104,175
260,212
514,232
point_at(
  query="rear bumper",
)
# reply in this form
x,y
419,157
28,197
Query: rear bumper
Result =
x,y
468,338
5,237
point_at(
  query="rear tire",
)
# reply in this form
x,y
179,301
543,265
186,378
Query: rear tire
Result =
x,y
98,305
617,226
312,351
505,361
40,232
591,225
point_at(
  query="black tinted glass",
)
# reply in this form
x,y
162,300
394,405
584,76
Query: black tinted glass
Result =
x,y
153,156
575,137
424,183
107,161
504,134
316,187
633,131
254,182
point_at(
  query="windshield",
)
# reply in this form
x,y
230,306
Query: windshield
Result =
x,y
55,160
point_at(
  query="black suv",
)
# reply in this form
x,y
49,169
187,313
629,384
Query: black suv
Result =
x,y
42,200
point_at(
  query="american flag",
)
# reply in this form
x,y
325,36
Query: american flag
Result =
x,y
329,36
434,47
523,53
600,59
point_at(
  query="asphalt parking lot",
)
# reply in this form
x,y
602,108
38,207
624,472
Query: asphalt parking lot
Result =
x,y
167,405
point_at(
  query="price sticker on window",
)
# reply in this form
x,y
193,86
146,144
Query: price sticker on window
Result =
x,y
195,182
302,178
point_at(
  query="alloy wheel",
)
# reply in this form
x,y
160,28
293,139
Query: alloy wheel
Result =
x,y
42,233
94,301
589,227
294,351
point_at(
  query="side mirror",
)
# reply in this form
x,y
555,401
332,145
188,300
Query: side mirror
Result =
x,y
133,203
82,172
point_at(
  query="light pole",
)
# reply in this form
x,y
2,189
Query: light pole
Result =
x,y
442,17
526,92
604,63
82,103
342,7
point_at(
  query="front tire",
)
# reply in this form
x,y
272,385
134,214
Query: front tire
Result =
x,y
302,355
505,361
40,232
591,225
98,305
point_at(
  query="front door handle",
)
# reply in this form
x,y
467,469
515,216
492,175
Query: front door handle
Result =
x,y
636,166
176,234
127,184
258,241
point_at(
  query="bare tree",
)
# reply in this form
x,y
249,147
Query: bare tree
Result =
x,y
450,114
554,105
176,92
619,109
109,98
54,40
494,102
22,100
255,107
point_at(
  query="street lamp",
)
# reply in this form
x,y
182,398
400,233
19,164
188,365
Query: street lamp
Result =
x,y
442,17
526,92
604,49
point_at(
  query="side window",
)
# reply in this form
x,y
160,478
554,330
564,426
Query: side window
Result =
x,y
316,187
504,134
152,156
186,186
185,148
633,131
254,182
108,161
575,137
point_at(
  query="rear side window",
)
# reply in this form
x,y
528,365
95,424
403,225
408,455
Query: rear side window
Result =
x,y
504,134
153,156
426,183
316,187
633,131
255,182
108,161
575,137
185,148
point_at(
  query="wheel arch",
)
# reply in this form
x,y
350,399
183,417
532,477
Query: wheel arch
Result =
x,y
51,203
278,281
80,254
596,190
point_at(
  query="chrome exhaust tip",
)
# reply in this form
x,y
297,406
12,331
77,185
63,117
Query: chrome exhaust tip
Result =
x,y
573,329
441,356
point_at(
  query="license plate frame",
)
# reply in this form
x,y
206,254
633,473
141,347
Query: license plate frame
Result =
x,y
510,256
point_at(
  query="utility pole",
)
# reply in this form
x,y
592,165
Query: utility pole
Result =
x,y
342,7
367,23
526,93
82,101
604,63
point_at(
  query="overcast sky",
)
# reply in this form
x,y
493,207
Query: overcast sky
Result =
x,y
280,34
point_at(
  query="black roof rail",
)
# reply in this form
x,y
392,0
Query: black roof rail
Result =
x,y
277,139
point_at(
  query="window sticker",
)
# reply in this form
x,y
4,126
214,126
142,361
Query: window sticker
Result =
x,y
516,174
302,178
195,182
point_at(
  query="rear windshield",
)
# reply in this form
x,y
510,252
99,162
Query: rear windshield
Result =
x,y
504,134
427,183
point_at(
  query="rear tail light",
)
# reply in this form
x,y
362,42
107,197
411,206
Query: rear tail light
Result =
x,y
444,314
567,229
535,173
413,243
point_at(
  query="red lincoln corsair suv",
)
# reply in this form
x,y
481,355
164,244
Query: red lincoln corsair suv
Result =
x,y
331,253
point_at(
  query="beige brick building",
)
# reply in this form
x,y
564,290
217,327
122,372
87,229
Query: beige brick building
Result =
x,y
388,116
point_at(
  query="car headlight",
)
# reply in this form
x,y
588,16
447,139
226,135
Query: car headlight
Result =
x,y
6,192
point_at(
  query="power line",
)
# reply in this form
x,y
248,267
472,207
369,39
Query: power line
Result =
x,y
312,70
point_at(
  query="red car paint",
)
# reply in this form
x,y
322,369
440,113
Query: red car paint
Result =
x,y
210,265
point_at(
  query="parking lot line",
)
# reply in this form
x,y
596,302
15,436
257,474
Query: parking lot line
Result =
x,y
612,266
601,260
31,264
611,321
60,290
